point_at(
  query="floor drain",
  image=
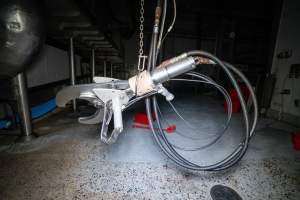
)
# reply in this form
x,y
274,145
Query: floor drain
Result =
x,y
221,192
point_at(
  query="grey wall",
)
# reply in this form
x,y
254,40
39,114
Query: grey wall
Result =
x,y
51,65
288,38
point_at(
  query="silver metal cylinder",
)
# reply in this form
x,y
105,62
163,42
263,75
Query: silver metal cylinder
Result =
x,y
23,107
93,64
72,68
163,74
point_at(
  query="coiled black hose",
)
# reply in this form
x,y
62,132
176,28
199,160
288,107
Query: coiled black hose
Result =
x,y
206,80
231,159
162,140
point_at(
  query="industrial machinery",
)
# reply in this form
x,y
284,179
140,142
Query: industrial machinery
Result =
x,y
22,35
112,96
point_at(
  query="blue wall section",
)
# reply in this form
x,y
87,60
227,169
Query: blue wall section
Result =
x,y
36,112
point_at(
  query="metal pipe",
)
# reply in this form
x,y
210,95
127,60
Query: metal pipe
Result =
x,y
93,64
162,74
23,108
104,68
72,68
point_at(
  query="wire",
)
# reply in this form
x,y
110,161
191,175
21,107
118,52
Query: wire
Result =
x,y
162,25
252,95
167,147
131,102
220,134
220,88
172,24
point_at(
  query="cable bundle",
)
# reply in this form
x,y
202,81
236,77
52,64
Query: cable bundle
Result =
x,y
151,106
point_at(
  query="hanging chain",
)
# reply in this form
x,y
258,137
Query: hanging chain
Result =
x,y
141,51
142,58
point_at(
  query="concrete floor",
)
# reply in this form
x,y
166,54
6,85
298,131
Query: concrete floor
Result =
x,y
69,162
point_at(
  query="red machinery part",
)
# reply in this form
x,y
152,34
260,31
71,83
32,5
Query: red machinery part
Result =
x,y
296,140
236,105
141,121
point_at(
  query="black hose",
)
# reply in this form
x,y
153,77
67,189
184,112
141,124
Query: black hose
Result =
x,y
159,135
207,80
229,106
167,148
252,94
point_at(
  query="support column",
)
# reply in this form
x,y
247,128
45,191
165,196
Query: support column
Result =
x,y
104,68
72,68
93,64
23,108
111,70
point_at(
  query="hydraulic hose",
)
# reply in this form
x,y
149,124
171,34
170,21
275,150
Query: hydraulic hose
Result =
x,y
219,134
229,105
163,142
151,102
252,95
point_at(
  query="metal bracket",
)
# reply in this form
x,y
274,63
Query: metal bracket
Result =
x,y
141,63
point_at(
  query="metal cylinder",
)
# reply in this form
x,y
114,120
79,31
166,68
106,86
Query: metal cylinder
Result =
x,y
72,68
93,64
162,74
23,107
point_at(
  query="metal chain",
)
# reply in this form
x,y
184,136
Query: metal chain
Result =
x,y
141,51
142,58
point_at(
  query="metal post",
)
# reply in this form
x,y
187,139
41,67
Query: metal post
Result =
x,y
93,64
104,68
72,68
23,108
111,70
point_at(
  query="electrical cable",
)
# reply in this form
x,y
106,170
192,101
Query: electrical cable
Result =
x,y
132,101
162,26
220,88
252,95
220,134
158,133
236,155
172,154
172,24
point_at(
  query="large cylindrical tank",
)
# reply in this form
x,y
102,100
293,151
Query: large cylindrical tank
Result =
x,y
22,33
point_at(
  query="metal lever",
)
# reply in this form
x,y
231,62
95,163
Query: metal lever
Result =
x,y
109,135
109,98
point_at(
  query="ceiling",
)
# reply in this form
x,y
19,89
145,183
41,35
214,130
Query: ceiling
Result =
x,y
103,25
